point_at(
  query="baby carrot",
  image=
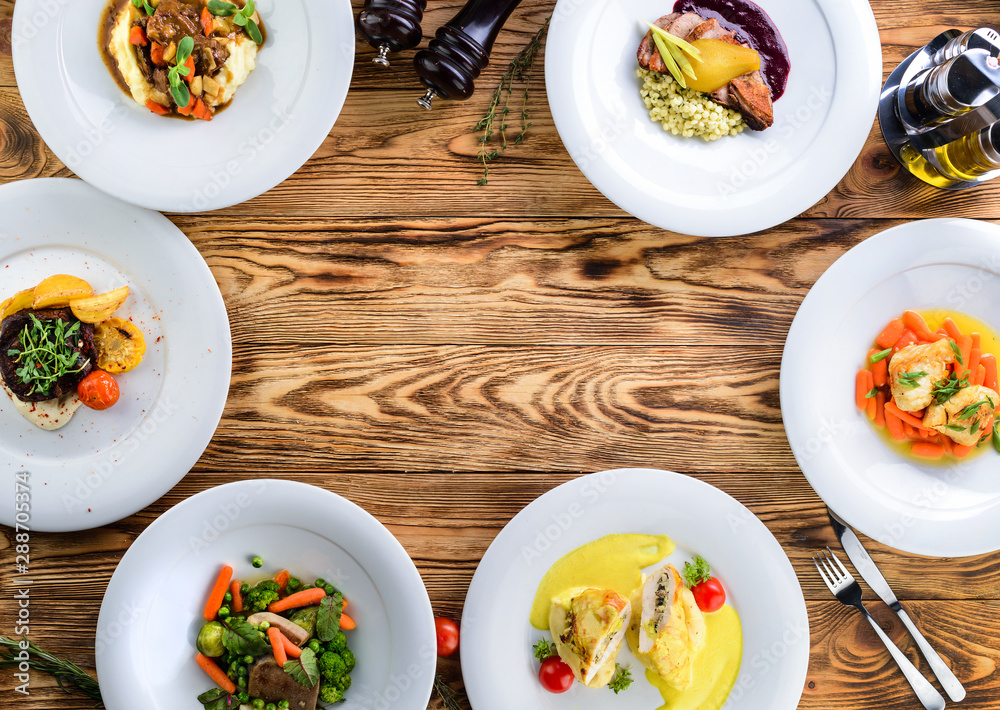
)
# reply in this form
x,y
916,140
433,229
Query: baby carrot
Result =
x,y
910,431
880,409
946,443
277,648
282,580
307,597
980,376
960,450
218,592
234,589
915,322
927,450
891,333
880,369
291,649
905,416
975,356
908,338
215,673
951,329
895,426
964,343
989,361
861,388
347,622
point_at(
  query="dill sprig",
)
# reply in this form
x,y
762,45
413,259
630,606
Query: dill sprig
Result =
x,y
495,122
65,672
448,695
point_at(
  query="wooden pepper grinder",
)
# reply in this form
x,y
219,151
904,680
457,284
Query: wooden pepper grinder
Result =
x,y
461,50
391,26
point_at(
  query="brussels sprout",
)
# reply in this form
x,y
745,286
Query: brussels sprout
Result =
x,y
306,618
210,639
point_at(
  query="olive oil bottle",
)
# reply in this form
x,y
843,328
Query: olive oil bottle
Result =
x,y
971,156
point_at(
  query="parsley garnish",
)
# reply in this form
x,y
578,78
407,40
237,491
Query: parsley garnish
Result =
x,y
544,649
911,379
944,390
879,356
46,354
622,678
697,571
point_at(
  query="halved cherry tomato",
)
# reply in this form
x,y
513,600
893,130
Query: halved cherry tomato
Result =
x,y
709,594
555,676
447,636
98,390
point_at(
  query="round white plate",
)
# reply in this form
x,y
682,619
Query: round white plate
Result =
x,y
701,519
924,509
152,611
735,185
104,466
278,119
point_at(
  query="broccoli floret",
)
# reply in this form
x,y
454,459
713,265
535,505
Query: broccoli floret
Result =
x,y
258,598
342,683
349,660
330,694
332,666
339,642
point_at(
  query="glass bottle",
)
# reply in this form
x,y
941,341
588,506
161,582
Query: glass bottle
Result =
x,y
971,156
961,84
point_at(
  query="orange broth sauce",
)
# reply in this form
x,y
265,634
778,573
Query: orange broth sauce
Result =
x,y
989,343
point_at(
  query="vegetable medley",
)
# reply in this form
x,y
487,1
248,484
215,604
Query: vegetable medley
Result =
x,y
275,644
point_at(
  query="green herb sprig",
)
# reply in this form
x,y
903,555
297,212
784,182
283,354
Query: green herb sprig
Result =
x,y
912,379
544,649
65,672
241,18
958,352
448,695
696,571
622,678
178,89
974,408
880,356
46,355
944,390
520,69
144,5
672,50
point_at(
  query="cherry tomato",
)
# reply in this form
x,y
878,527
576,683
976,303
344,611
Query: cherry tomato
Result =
x,y
555,676
447,636
709,594
98,390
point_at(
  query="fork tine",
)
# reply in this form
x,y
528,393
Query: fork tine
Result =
x,y
822,574
839,563
830,570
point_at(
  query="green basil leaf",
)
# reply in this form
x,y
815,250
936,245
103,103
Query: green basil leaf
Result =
x,y
242,638
328,616
254,31
222,9
304,669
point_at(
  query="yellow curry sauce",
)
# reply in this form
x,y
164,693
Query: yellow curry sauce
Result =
x,y
616,562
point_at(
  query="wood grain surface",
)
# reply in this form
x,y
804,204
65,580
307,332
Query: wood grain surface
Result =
x,y
442,354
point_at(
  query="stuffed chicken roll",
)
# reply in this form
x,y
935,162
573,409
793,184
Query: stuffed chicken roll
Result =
x,y
588,626
669,625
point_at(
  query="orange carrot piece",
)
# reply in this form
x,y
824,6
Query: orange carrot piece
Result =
x,y
137,36
207,21
964,343
891,333
215,673
186,110
975,356
347,622
277,648
961,451
905,416
202,111
976,340
908,338
861,388
234,589
880,409
291,650
989,361
910,431
282,580
915,322
190,67
156,54
157,108
218,592
307,597
880,369
951,329
980,376
947,443
895,426
871,407
927,450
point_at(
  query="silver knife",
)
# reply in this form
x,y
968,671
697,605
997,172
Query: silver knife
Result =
x,y
865,566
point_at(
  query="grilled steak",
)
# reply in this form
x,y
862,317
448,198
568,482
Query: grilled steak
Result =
x,y
10,339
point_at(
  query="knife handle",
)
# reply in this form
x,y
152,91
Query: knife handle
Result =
x,y
926,693
944,674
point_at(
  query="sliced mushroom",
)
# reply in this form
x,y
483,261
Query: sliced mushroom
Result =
x,y
293,632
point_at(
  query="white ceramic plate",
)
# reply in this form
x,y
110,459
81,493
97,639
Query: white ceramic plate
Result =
x,y
700,519
104,466
277,120
152,611
735,185
924,509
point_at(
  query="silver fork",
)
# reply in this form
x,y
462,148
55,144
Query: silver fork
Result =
x,y
848,592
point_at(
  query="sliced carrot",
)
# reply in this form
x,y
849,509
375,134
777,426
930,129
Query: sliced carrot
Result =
x,y
951,329
905,416
234,589
218,592
202,111
347,622
964,343
880,409
156,54
137,36
915,322
890,334
186,110
190,67
282,580
895,426
989,361
291,650
207,22
307,597
861,389
960,450
927,450
215,673
157,108
980,376
277,648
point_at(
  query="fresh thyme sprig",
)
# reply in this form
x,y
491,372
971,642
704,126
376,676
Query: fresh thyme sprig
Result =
x,y
65,672
448,695
45,355
520,69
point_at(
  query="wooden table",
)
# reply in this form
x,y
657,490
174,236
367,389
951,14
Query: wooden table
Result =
x,y
442,354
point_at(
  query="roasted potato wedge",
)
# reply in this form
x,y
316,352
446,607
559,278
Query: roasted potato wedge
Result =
x,y
57,291
20,301
120,345
94,309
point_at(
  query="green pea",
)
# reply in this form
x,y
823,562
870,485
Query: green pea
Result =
x,y
283,705
257,562
257,703
245,589
329,589
294,582
224,612
319,582
244,696
264,625
243,670
270,706
315,645
242,680
248,659
228,598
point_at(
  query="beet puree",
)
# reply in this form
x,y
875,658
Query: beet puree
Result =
x,y
751,25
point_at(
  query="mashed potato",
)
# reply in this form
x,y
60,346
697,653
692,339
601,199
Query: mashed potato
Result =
x,y
686,112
